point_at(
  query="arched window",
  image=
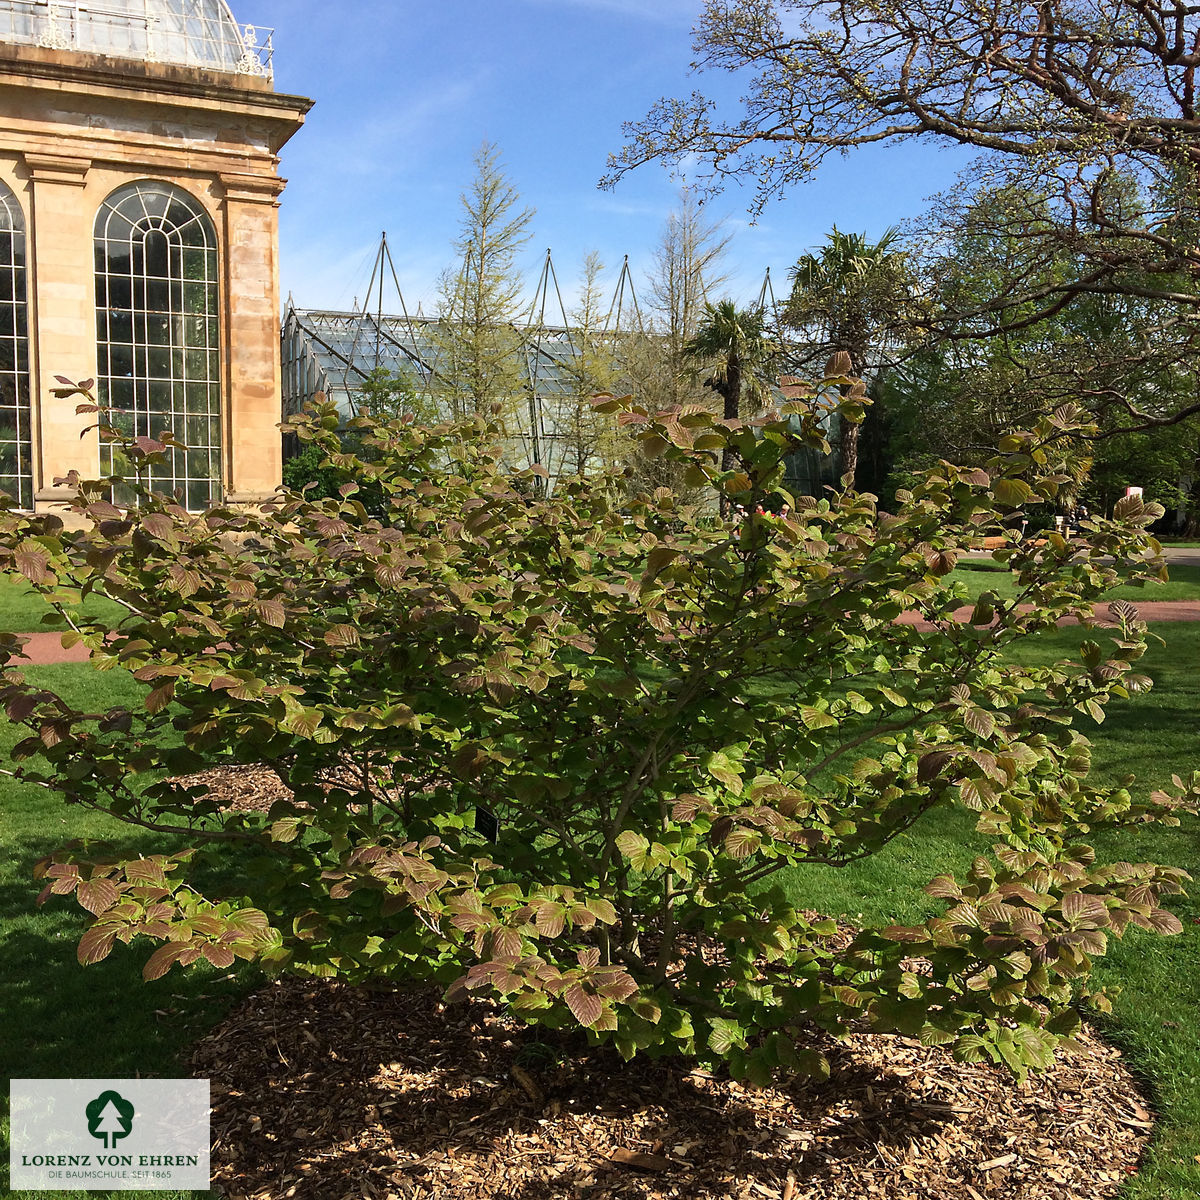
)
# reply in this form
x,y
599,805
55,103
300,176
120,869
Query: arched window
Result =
x,y
16,442
158,335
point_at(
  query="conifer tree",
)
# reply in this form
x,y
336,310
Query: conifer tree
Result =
x,y
479,339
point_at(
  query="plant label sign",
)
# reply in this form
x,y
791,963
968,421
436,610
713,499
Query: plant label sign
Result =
x,y
118,1135
487,825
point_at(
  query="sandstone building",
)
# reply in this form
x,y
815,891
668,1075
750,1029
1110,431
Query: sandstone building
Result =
x,y
139,191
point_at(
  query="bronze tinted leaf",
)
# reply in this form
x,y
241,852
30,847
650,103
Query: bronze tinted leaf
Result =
x,y
585,1007
95,945
33,564
930,765
270,612
219,956
98,895
161,961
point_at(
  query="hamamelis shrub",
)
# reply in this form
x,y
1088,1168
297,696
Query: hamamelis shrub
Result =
x,y
557,750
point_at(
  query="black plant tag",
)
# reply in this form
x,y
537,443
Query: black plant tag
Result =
x,y
487,824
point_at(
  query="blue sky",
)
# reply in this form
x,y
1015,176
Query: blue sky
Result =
x,y
406,90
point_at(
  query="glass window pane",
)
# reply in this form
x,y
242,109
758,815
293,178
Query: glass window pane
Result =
x,y
16,448
156,327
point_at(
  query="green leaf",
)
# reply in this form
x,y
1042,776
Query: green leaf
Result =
x,y
724,1035
1012,493
632,844
286,830
1065,1023
970,1048
814,718
602,910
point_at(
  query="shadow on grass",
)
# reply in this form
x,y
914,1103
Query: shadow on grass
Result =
x,y
64,1021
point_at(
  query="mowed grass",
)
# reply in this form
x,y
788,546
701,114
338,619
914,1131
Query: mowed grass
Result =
x,y
983,575
60,1020
63,1021
22,610
1154,982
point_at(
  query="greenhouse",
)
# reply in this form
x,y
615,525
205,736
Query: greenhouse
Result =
x,y
188,33
139,197
556,369
553,371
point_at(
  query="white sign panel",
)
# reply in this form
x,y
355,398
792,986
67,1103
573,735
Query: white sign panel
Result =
x,y
119,1135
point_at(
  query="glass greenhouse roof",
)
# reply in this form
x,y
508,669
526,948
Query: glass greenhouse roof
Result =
x,y
335,353
343,349
191,33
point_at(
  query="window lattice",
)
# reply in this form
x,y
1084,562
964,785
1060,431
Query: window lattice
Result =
x,y
158,334
16,441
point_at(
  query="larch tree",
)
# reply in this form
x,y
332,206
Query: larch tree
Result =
x,y
479,340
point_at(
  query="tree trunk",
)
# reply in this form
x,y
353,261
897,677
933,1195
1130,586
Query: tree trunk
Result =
x,y
849,451
1192,527
730,389
850,433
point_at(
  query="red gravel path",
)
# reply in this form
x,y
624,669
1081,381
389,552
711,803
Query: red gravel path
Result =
x,y
45,648
1149,611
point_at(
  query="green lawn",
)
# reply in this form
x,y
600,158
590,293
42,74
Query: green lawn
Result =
x,y
60,1020
21,610
1156,981
982,575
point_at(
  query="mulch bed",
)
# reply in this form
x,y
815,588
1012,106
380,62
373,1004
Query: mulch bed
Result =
x,y
251,788
323,1091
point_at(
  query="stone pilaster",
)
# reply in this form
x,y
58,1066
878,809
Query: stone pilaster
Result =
x,y
62,316
254,455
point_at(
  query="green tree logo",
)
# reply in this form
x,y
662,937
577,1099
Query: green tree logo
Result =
x,y
110,1118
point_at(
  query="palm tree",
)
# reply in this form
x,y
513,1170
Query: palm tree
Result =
x,y
851,293
733,348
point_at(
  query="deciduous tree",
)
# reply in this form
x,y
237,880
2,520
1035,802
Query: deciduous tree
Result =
x,y
1090,108
479,361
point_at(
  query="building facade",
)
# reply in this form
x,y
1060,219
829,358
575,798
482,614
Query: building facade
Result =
x,y
139,194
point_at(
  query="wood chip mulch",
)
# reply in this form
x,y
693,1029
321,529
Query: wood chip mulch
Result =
x,y
322,1091
253,788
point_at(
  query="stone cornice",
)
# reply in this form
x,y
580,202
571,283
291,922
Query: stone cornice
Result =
x,y
150,86
126,150
252,189
51,168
